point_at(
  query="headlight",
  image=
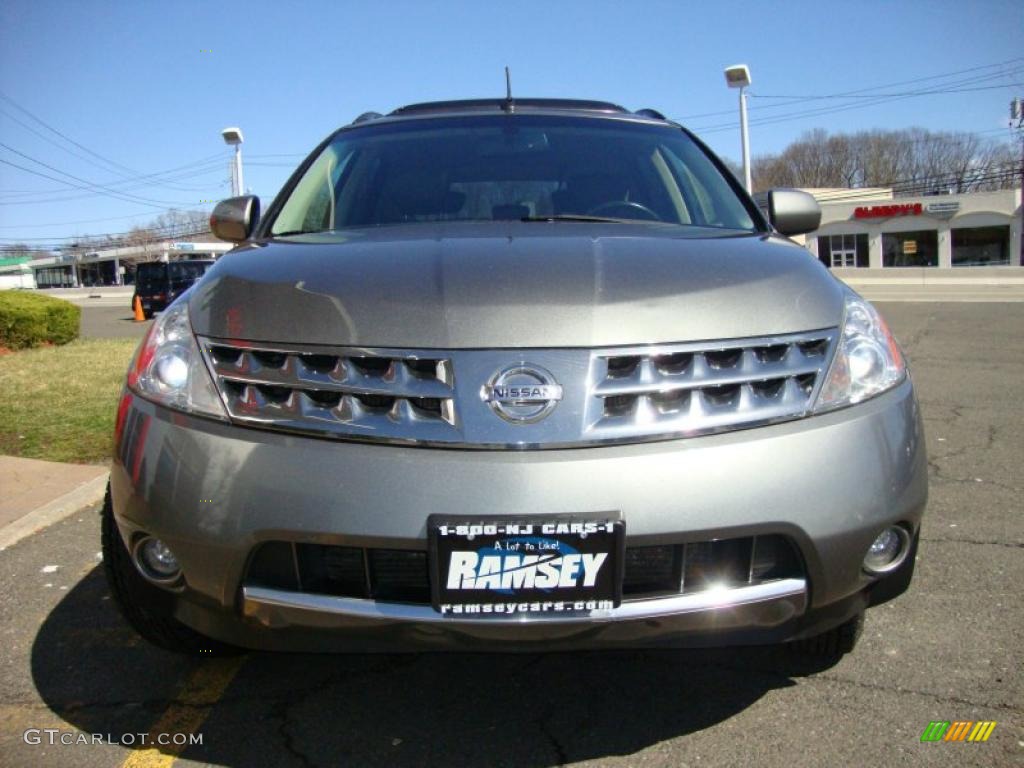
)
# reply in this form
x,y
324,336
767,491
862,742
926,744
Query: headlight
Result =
x,y
867,362
169,369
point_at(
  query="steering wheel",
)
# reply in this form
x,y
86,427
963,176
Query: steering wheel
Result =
x,y
630,206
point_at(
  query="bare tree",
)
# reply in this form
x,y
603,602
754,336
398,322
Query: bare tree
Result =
x,y
911,161
146,241
734,166
172,224
176,223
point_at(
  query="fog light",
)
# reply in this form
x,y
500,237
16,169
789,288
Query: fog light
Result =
x,y
156,561
888,551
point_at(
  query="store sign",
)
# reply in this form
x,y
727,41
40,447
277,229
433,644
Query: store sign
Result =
x,y
885,211
943,210
183,246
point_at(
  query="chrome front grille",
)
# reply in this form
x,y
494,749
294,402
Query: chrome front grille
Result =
x,y
438,397
352,392
689,389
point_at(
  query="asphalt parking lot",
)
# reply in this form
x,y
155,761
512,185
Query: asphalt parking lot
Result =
x,y
111,322
949,649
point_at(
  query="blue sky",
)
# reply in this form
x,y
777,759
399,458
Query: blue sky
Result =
x,y
149,85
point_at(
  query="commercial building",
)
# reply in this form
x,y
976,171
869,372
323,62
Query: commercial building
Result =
x,y
862,229
16,273
108,266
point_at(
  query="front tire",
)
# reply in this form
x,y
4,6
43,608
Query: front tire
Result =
x,y
148,609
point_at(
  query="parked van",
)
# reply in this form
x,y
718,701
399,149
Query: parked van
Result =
x,y
158,283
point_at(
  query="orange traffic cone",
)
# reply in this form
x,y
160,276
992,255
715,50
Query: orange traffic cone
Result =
x,y
140,316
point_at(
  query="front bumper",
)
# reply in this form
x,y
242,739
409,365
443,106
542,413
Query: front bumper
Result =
x,y
213,492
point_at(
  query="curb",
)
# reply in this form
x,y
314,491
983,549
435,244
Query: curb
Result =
x,y
87,493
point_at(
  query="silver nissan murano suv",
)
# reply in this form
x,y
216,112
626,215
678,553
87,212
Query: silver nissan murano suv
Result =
x,y
514,375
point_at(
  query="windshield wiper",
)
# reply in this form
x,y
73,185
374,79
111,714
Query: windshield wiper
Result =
x,y
292,232
577,217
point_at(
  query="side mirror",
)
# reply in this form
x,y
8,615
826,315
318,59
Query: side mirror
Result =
x,y
234,219
793,212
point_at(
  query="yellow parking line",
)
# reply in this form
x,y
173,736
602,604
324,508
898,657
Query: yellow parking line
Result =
x,y
187,712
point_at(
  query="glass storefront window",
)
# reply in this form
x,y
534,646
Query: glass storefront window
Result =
x,y
843,250
981,247
54,277
910,249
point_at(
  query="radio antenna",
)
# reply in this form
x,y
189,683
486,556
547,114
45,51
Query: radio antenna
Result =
x,y
509,105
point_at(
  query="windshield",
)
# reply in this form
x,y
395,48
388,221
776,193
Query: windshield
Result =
x,y
501,168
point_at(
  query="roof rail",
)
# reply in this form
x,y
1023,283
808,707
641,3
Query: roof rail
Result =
x,y
650,113
497,104
366,116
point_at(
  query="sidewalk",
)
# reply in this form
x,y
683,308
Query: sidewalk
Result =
x,y
974,284
38,493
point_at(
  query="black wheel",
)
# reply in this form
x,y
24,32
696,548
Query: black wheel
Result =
x,y
148,609
834,643
148,314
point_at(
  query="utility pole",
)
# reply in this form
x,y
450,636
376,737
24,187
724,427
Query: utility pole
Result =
x,y
1017,123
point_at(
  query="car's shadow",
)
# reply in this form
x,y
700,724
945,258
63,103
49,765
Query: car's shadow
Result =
x,y
395,710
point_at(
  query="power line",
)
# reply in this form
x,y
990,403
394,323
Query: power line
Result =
x,y
887,95
54,178
125,178
130,176
206,162
911,81
71,223
68,139
270,165
815,112
172,229
45,197
871,99
99,188
870,93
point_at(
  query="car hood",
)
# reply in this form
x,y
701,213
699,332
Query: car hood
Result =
x,y
515,285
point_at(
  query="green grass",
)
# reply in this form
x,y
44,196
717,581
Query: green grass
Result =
x,y
59,403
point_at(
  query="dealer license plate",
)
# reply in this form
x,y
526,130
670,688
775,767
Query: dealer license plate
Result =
x,y
482,566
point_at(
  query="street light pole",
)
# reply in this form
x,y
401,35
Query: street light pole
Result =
x,y
239,184
738,76
233,137
745,138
